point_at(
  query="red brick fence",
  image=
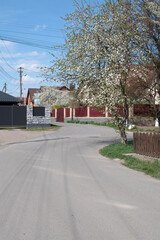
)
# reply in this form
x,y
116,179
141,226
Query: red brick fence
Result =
x,y
147,144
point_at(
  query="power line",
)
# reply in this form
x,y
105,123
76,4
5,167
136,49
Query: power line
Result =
x,y
40,41
22,41
6,61
15,90
34,34
9,51
5,73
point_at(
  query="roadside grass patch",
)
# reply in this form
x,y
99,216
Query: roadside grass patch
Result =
x,y
118,150
11,128
52,127
107,124
138,129
113,125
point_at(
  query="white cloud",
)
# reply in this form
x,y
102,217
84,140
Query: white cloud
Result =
x,y
40,27
14,82
6,43
29,66
31,80
26,79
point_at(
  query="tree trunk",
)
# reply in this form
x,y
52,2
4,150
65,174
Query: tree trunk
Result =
x,y
122,130
123,135
125,111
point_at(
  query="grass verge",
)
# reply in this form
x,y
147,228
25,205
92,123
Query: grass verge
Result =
x,y
118,150
107,124
52,127
113,125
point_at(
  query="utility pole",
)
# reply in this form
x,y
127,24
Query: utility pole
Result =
x,y
5,88
24,97
20,71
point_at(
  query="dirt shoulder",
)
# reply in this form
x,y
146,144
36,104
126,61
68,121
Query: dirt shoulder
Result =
x,y
11,136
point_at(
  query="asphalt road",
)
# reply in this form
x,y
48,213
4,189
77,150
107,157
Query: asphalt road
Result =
x,y
58,187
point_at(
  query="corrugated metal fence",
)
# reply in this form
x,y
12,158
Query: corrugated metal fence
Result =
x,y
147,144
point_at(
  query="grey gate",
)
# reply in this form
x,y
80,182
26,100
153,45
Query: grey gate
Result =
x,y
12,116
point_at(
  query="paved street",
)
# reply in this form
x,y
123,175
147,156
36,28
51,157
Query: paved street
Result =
x,y
57,187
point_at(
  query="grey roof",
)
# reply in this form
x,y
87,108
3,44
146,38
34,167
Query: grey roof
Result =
x,y
5,97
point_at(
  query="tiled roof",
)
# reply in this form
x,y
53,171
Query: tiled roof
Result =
x,y
5,97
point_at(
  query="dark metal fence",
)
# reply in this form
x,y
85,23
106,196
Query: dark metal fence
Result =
x,y
147,144
12,116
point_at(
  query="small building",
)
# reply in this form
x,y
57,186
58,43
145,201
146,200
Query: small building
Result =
x,y
7,99
33,96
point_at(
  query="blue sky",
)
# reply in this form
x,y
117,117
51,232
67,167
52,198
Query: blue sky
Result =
x,y
35,22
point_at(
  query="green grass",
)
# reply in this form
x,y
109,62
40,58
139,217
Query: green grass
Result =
x,y
137,129
107,124
113,125
11,128
118,150
52,127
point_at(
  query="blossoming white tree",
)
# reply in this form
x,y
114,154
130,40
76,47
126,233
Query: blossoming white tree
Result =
x,y
54,97
102,47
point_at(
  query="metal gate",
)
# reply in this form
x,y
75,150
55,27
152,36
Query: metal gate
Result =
x,y
12,116
60,114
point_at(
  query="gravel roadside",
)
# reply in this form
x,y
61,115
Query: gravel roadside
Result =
x,y
12,136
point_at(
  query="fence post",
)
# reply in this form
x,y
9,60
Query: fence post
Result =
x,y
56,113
70,112
88,112
106,112
74,112
64,113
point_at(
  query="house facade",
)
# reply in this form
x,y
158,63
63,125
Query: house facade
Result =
x,y
46,95
32,96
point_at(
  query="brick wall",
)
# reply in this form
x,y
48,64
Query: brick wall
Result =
x,y
38,121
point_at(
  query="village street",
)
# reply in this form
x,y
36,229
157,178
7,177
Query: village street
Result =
x,y
57,186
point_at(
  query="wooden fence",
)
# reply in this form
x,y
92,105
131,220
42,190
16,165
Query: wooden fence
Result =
x,y
147,144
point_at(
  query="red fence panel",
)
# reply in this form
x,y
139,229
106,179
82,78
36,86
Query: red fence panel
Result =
x,y
97,112
53,113
120,112
81,112
67,112
60,114
147,144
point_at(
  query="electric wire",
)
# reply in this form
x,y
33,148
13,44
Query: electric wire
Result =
x,y
9,51
12,91
4,60
34,34
6,73
30,41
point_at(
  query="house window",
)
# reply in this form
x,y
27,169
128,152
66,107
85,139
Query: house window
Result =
x,y
36,99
